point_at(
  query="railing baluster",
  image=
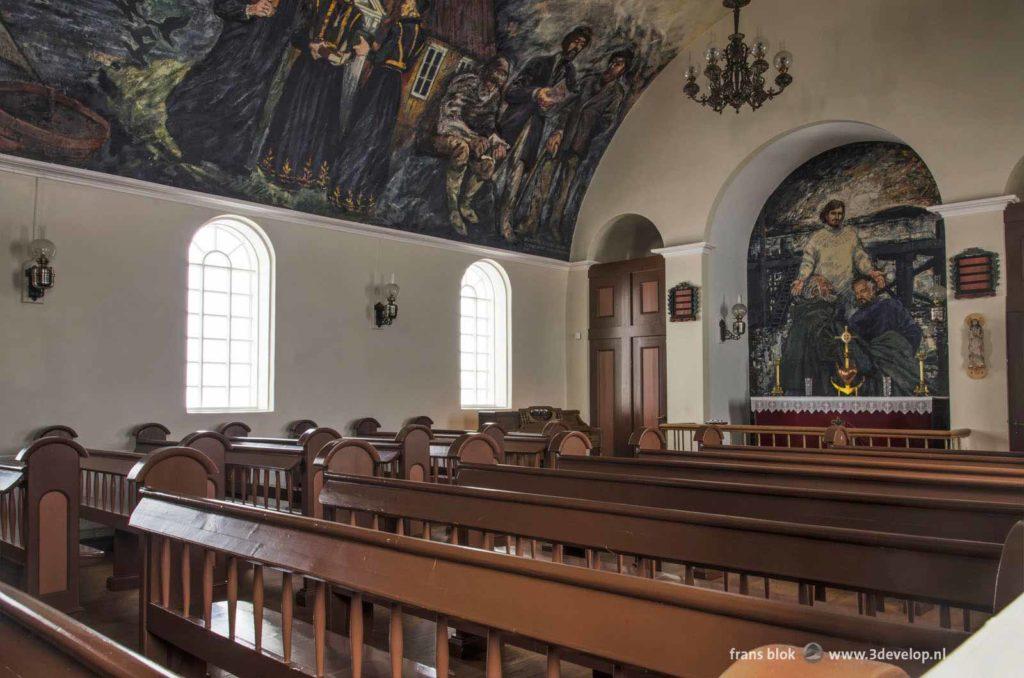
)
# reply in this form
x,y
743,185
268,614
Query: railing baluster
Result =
x,y
320,626
554,662
944,616
209,557
231,482
441,647
396,641
266,488
493,653
165,572
967,620
254,477
488,541
257,606
287,597
744,585
355,632
277,488
232,595
186,580
290,491
453,536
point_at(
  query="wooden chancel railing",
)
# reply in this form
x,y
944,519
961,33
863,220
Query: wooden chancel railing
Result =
x,y
36,639
566,612
684,437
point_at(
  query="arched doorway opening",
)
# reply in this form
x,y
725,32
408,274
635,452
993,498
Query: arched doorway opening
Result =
x,y
629,236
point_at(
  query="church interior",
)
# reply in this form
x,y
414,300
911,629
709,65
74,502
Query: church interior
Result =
x,y
512,338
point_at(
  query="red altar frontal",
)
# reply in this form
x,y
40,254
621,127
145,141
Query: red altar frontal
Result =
x,y
856,412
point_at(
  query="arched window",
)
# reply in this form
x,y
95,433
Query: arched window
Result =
x,y
230,318
484,341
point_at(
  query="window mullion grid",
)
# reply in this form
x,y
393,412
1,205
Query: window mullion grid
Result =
x,y
231,324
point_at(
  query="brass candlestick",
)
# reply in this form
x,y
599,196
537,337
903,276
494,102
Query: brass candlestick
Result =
x,y
848,370
777,391
922,386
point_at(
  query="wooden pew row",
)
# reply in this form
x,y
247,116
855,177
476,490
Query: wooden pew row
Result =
x,y
950,573
39,511
935,517
568,610
37,639
837,438
968,487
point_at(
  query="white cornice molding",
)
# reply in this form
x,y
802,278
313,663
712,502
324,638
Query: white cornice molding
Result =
x,y
699,248
980,206
581,265
146,189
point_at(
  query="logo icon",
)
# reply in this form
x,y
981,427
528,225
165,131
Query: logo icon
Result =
x,y
813,652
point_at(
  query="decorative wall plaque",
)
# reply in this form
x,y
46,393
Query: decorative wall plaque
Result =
x,y
975,273
683,302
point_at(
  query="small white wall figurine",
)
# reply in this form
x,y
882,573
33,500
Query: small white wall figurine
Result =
x,y
976,367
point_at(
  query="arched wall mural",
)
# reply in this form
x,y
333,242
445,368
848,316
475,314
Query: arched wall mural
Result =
x,y
846,241
476,120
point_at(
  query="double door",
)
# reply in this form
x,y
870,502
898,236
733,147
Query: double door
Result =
x,y
627,349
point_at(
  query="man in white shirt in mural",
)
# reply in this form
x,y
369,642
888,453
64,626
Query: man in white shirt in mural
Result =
x,y
834,256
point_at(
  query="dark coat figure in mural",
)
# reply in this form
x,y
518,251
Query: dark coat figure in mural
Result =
x,y
214,113
594,110
465,133
306,127
887,340
363,166
832,258
541,85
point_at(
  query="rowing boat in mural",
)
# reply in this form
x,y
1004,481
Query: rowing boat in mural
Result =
x,y
38,121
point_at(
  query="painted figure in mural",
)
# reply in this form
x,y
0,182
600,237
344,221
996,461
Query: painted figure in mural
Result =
x,y
214,112
887,340
592,113
832,258
541,85
466,135
307,122
362,167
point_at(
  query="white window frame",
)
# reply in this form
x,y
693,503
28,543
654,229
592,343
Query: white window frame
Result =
x,y
430,68
261,314
496,292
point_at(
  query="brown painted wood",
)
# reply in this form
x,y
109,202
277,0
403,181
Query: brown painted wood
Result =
x,y
627,367
1013,270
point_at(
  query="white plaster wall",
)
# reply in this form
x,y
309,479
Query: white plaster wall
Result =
x,y
939,75
106,350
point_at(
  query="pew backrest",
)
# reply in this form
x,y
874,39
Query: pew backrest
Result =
x,y
150,436
55,432
647,438
366,426
300,426
234,429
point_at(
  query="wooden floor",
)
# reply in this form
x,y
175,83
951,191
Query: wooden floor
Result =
x,y
115,614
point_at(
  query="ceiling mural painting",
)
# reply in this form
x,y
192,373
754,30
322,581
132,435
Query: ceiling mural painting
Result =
x,y
474,120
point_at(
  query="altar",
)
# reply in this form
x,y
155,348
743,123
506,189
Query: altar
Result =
x,y
917,413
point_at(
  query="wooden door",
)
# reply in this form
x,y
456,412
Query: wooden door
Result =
x,y
1014,272
627,348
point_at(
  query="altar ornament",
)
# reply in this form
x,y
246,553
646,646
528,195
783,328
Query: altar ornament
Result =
x,y
739,326
683,302
777,391
975,273
848,370
976,366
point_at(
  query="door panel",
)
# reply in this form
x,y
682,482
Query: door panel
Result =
x,y
648,307
608,302
606,392
648,381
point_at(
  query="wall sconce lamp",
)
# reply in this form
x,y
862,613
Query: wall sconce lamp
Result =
x,y
739,326
38,272
385,313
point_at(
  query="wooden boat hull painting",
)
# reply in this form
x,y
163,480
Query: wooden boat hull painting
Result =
x,y
38,121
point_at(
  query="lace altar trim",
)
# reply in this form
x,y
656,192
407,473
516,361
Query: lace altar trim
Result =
x,y
852,405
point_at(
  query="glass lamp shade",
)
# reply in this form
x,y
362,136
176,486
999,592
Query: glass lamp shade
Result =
x,y
783,60
691,73
41,247
712,54
391,291
760,49
739,311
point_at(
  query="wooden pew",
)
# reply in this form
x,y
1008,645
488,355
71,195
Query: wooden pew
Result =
x,y
937,517
37,639
969,487
405,454
948,572
567,611
39,511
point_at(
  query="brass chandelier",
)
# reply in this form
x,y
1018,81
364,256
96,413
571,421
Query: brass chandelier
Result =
x,y
738,81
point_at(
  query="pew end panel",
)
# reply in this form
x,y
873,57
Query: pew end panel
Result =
x,y
494,431
367,426
569,444
647,438
149,436
1010,575
45,502
421,420
57,431
234,429
415,458
179,470
300,426
553,427
347,457
215,446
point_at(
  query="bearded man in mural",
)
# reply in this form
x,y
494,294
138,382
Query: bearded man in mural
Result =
x,y
214,113
887,340
465,134
588,116
541,85
306,127
832,258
